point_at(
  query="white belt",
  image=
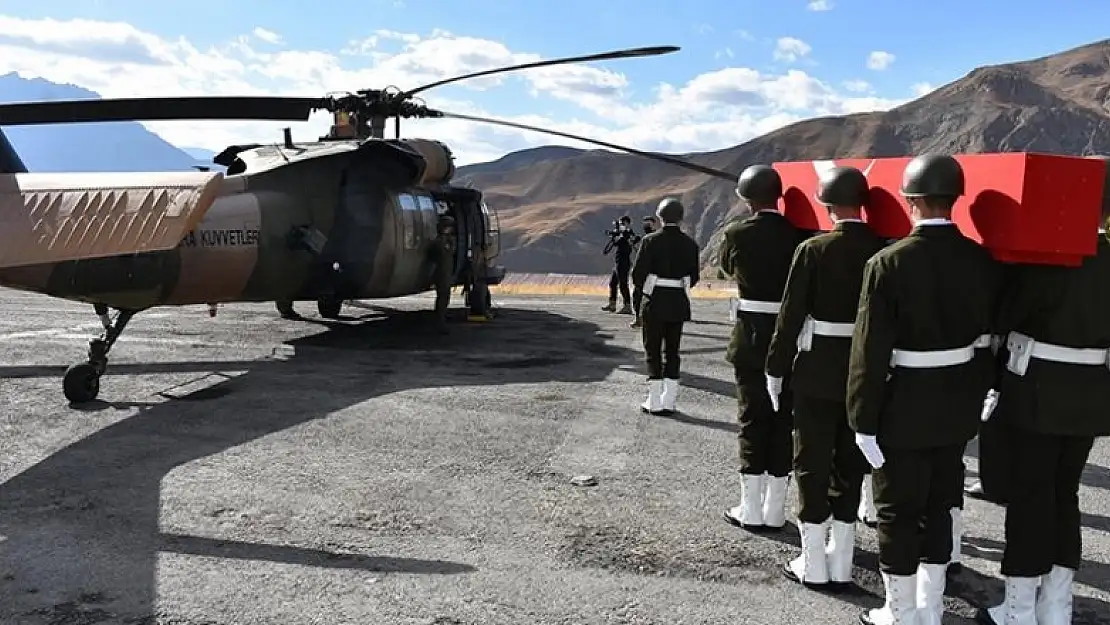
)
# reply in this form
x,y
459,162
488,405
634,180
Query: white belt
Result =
x,y
653,281
938,358
1022,348
813,327
735,305
756,306
670,283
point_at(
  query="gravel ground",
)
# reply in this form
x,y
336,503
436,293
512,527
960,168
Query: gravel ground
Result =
x,y
250,470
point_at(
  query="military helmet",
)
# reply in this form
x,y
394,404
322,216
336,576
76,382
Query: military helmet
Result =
x,y
933,175
760,184
670,211
842,186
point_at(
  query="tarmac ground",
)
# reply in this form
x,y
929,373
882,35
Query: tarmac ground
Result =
x,y
245,469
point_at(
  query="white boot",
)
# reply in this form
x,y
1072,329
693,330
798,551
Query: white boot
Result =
x,y
901,602
867,512
930,594
810,567
774,501
670,395
750,511
957,536
1018,607
653,403
840,551
1054,599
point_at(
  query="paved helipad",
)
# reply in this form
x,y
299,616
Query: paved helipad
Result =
x,y
248,470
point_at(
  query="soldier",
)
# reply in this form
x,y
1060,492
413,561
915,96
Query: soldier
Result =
x,y
621,242
637,294
1052,403
442,254
667,267
811,341
920,366
756,252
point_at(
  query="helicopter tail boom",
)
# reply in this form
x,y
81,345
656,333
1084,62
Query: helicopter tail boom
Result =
x,y
47,218
10,163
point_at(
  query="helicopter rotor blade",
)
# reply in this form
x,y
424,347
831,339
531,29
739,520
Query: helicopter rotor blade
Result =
x,y
603,56
153,109
666,158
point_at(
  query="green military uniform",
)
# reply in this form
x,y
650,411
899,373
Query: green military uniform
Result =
x,y
811,344
666,266
919,369
1052,404
442,255
756,252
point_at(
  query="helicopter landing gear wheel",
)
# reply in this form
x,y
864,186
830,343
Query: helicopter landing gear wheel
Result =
x,y
329,307
81,383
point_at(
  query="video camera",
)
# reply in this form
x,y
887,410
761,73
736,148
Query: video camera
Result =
x,y
618,233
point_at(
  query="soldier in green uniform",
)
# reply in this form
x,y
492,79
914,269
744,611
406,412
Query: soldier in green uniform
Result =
x,y
442,254
811,343
1052,402
756,253
667,266
637,294
919,369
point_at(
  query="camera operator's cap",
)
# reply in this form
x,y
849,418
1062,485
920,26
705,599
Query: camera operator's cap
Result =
x,y
670,211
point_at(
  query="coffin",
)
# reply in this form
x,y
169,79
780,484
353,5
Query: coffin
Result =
x,y
1027,208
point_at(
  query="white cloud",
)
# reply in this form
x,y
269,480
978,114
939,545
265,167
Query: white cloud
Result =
x,y
820,5
921,88
791,49
857,86
268,36
710,111
879,60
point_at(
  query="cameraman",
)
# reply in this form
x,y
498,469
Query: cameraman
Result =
x,y
621,242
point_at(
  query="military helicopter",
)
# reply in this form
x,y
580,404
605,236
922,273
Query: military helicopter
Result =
x,y
348,217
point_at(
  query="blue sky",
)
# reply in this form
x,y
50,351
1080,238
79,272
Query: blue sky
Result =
x,y
931,42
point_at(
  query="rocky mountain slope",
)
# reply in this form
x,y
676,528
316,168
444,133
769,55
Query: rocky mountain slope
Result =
x,y
554,209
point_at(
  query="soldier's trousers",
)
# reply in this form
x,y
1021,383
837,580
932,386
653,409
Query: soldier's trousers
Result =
x,y
1042,517
619,279
994,459
637,299
915,491
828,465
443,300
662,340
766,441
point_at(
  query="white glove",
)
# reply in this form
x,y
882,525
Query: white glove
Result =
x,y
870,448
990,402
774,389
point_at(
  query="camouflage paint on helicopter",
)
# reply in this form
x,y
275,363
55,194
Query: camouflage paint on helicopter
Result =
x,y
339,221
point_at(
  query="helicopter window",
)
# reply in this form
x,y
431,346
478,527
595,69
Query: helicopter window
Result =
x,y
410,220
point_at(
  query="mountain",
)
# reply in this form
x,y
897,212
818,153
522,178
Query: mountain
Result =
x,y
108,146
553,211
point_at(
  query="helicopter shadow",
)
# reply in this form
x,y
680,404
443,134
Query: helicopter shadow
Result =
x,y
89,514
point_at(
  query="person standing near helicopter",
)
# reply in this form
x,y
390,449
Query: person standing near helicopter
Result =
x,y
649,224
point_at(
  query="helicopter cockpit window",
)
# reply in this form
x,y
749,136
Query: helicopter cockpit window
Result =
x,y
410,220
428,215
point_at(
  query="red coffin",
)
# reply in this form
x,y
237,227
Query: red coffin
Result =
x,y
1028,208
